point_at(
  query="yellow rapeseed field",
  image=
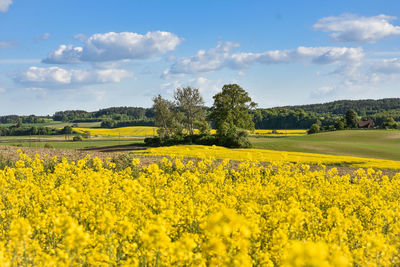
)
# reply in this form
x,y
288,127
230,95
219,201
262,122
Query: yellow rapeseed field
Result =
x,y
141,131
264,155
203,213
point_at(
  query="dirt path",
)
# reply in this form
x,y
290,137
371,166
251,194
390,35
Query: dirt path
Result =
x,y
119,148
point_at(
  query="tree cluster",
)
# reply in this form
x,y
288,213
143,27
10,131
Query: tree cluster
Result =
x,y
184,120
29,130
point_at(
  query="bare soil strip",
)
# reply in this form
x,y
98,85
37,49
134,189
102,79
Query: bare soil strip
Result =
x,y
118,148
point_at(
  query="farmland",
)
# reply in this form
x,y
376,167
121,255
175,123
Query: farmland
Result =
x,y
202,205
384,144
327,198
195,213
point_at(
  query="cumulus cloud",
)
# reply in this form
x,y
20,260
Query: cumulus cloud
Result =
x,y
56,76
349,28
4,4
64,55
221,56
115,46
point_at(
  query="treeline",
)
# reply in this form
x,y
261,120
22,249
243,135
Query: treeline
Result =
x,y
365,107
30,130
284,118
23,119
108,123
131,116
327,115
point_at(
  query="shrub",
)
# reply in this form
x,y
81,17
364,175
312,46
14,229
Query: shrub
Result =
x,y
152,141
314,129
239,139
77,138
47,145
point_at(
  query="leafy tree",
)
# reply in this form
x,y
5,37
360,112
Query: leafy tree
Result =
x,y
67,130
167,119
351,119
231,112
191,104
314,129
389,123
339,125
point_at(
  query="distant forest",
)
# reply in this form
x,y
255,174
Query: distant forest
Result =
x,y
288,117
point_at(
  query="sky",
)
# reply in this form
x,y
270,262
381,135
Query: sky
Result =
x,y
92,54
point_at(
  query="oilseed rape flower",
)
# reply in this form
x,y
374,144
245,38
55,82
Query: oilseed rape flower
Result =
x,y
264,155
196,213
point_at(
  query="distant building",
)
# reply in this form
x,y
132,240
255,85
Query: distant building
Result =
x,y
366,124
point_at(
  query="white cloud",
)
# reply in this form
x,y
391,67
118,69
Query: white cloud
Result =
x,y
4,4
387,66
350,28
64,55
206,86
317,55
323,91
56,76
221,56
2,90
115,46
204,61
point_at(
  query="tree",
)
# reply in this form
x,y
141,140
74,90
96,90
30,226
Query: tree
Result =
x,y
351,119
67,130
389,123
191,104
314,129
339,125
231,112
166,118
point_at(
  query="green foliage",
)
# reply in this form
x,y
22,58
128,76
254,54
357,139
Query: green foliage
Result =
x,y
27,130
285,118
191,104
77,138
231,110
109,123
390,123
339,125
47,145
314,129
67,130
231,113
167,118
351,118
239,139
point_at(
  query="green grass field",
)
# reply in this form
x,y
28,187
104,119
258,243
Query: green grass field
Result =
x,y
384,144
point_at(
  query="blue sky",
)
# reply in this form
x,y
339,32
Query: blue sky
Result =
x,y
59,55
